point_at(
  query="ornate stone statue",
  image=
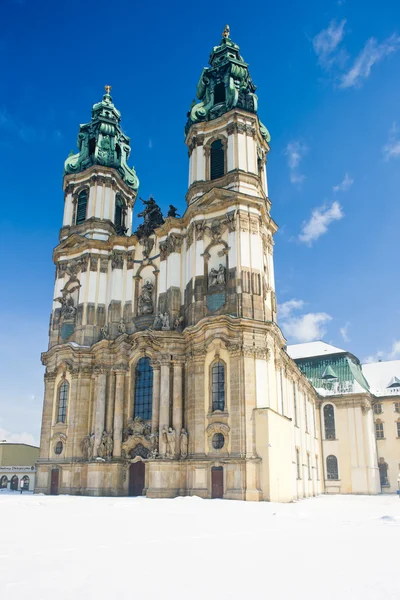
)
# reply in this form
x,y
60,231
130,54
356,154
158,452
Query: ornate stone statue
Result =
x,y
212,277
145,302
184,443
165,322
148,244
158,321
178,323
152,218
173,212
221,277
101,450
104,332
90,451
85,446
170,442
121,326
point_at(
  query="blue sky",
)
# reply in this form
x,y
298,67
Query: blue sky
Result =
x,y
329,92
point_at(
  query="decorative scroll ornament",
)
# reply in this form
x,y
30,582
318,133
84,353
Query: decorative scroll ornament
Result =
x,y
139,440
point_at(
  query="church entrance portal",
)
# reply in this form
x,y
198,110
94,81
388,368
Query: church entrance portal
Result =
x,y
136,478
217,482
54,482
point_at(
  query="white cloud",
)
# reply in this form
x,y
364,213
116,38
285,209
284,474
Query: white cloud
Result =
x,y
393,354
344,332
371,54
23,437
306,328
326,42
319,222
286,309
344,185
392,148
295,152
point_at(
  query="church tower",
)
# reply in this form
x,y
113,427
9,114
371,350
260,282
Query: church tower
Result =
x,y
166,372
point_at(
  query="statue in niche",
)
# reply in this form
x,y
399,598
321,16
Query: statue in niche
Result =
x,y
145,302
152,218
221,276
212,277
165,322
173,212
68,309
170,442
121,326
158,321
184,443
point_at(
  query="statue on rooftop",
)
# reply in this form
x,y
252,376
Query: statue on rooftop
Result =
x,y
152,218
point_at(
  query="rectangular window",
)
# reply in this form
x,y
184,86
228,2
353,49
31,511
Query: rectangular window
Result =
x,y
281,385
309,466
380,434
397,407
295,405
398,429
316,467
298,463
378,409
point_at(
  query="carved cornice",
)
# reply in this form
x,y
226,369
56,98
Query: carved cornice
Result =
x,y
120,367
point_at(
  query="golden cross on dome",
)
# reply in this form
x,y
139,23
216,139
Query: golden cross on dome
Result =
x,y
226,31
107,88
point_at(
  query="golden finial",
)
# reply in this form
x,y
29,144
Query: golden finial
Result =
x,y
107,88
226,31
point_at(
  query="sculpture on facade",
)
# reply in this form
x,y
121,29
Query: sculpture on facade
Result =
x,y
170,442
173,212
165,322
101,450
158,321
152,218
104,332
87,446
121,326
179,324
145,301
139,439
221,276
184,443
109,445
217,277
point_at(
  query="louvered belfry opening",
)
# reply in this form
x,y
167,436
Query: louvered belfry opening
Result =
x,y
217,159
81,208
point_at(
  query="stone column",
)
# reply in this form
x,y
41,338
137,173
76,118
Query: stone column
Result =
x,y
155,416
100,409
47,415
118,411
164,403
177,405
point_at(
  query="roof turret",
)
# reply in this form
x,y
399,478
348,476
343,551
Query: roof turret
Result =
x,y
225,85
102,142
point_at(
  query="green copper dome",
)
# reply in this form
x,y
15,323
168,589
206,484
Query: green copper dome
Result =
x,y
225,85
102,142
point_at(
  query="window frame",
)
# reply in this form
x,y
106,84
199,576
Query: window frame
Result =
x,y
76,216
295,407
379,429
62,408
298,465
143,405
329,429
214,404
208,156
329,473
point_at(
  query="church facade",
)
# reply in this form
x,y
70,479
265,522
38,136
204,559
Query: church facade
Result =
x,y
166,372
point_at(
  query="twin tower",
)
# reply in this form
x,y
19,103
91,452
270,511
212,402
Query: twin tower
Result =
x,y
166,370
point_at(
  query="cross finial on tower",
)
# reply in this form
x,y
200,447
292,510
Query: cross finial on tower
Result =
x,y
107,88
226,31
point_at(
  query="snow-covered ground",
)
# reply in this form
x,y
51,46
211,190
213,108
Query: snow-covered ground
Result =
x,y
338,547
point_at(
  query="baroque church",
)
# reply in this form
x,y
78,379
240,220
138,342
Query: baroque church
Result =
x,y
167,373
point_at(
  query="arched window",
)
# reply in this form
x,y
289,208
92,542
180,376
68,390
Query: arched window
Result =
x,y
218,386
119,216
3,481
219,93
332,467
62,402
81,207
217,160
329,420
143,389
14,483
25,479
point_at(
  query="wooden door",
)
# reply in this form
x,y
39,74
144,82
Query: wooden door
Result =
x,y
14,483
54,482
136,478
217,482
